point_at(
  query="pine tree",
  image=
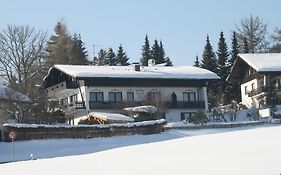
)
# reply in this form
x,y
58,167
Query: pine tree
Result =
x,y
157,53
209,60
59,46
233,89
121,57
101,59
78,53
196,62
222,70
111,57
146,52
168,62
234,49
245,46
161,52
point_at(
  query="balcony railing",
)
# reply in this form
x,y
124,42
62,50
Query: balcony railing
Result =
x,y
257,91
120,105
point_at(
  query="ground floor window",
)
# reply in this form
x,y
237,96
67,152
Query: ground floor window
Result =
x,y
130,96
185,115
115,96
96,96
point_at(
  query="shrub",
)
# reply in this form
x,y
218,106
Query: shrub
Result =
x,y
198,118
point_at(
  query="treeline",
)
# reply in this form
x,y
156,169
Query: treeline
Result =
x,y
250,36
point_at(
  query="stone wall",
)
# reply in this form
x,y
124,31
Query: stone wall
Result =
x,y
30,132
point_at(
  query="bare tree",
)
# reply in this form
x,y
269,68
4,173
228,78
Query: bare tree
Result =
x,y
276,37
22,53
254,30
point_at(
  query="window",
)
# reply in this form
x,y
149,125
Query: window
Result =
x,y
246,90
140,95
130,96
253,86
185,115
73,98
189,96
154,96
96,96
115,96
64,101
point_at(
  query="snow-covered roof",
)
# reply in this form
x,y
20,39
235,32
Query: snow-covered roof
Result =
x,y
181,72
263,62
146,109
8,93
111,116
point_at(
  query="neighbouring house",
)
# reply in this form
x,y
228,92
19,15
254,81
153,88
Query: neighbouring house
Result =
x,y
8,97
260,78
177,92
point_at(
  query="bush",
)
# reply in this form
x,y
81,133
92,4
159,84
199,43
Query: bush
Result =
x,y
198,118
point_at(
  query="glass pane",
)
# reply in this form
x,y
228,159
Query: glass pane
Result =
x,y
99,96
118,96
111,96
185,96
130,96
192,96
93,96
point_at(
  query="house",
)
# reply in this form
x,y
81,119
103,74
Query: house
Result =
x,y
260,78
8,97
177,92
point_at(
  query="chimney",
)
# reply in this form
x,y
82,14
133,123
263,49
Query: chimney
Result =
x,y
151,62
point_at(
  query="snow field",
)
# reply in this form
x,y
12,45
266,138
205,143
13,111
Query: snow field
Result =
x,y
251,151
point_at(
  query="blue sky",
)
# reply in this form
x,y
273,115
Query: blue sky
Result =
x,y
182,25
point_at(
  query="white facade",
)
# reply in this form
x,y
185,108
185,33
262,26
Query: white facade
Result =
x,y
177,92
183,94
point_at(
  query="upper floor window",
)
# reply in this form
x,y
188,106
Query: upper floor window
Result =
x,y
189,96
246,90
115,96
96,96
73,98
130,96
253,86
154,96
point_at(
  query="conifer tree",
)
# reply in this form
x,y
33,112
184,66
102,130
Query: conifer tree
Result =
x,y
196,62
59,45
146,52
233,89
234,49
209,60
168,62
121,57
245,46
157,53
222,69
111,57
101,59
78,53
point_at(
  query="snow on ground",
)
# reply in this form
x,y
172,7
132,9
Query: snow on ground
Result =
x,y
251,150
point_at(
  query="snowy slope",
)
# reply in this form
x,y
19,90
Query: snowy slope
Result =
x,y
254,151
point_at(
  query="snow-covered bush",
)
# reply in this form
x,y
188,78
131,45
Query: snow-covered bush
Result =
x,y
198,118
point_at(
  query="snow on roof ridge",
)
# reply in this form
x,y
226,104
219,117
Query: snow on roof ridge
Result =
x,y
178,72
263,62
